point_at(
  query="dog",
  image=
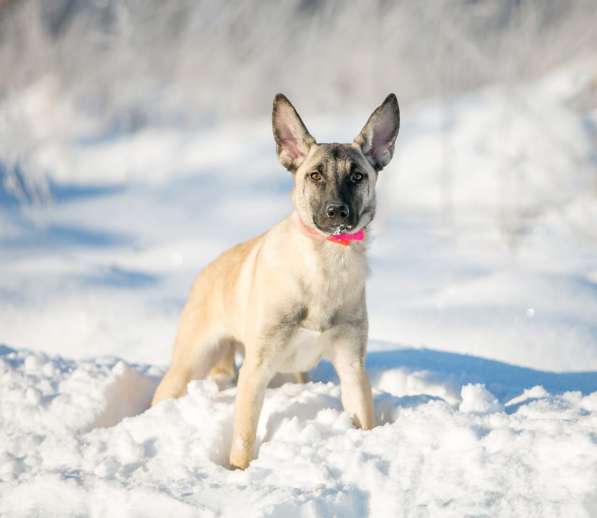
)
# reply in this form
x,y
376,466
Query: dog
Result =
x,y
296,293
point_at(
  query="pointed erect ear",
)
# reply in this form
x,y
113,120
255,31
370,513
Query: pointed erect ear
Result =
x,y
378,136
293,141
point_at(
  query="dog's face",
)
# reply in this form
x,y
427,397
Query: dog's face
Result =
x,y
334,184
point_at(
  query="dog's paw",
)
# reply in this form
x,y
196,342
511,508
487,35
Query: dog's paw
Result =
x,y
241,454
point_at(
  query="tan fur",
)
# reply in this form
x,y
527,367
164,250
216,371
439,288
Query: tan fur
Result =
x,y
288,298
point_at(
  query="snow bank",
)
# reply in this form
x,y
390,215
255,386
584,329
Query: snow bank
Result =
x,y
77,439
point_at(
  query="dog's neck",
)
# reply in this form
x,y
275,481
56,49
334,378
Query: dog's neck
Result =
x,y
343,239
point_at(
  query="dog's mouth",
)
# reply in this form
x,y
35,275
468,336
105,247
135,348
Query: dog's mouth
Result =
x,y
335,230
352,226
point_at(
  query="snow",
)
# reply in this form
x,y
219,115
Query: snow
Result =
x,y
482,302
85,445
476,398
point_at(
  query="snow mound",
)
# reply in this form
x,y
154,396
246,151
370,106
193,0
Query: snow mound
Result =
x,y
476,398
77,439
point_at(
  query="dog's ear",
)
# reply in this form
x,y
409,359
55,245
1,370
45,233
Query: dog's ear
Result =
x,y
293,141
378,136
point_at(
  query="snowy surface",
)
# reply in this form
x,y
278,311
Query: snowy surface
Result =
x,y
482,302
65,449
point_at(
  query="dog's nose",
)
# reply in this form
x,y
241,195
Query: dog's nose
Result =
x,y
337,210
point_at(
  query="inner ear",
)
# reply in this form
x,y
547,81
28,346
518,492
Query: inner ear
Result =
x,y
293,140
378,136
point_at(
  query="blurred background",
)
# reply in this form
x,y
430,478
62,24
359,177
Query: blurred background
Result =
x,y
135,145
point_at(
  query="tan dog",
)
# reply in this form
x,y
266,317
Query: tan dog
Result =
x,y
296,293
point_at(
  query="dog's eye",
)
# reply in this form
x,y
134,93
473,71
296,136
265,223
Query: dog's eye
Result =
x,y
315,176
357,177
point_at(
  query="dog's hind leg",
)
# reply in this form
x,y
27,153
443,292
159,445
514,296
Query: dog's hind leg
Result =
x,y
173,385
224,371
202,358
196,351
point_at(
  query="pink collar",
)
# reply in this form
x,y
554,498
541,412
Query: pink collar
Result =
x,y
342,239
345,239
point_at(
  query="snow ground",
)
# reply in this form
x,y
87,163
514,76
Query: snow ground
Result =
x,y
67,451
482,302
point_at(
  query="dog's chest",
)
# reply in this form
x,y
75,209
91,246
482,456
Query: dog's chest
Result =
x,y
306,345
333,283
331,289
303,350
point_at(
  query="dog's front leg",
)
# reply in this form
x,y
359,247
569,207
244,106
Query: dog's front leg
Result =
x,y
348,358
253,379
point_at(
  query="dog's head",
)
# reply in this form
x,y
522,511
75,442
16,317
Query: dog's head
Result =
x,y
334,184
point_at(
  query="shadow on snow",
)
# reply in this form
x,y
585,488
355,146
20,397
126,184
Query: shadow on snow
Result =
x,y
504,380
